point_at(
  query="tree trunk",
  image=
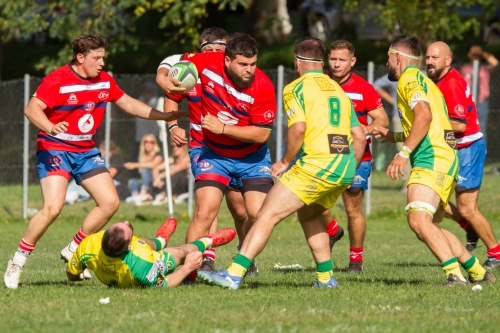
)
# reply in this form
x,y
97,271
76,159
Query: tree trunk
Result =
x,y
270,20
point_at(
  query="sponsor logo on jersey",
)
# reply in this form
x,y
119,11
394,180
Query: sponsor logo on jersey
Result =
x,y
400,113
410,86
290,113
440,179
227,118
54,161
324,84
86,123
109,269
244,107
210,87
72,99
311,188
204,165
449,136
89,106
339,144
158,268
138,241
98,160
265,169
103,95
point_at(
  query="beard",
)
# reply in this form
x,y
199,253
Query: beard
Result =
x,y
437,72
392,74
239,81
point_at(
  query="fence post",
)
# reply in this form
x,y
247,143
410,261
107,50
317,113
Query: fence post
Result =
x,y
107,130
475,79
368,198
26,153
163,137
191,194
279,113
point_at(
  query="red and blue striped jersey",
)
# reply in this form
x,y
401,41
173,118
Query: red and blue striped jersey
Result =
x,y
77,100
364,99
252,106
461,107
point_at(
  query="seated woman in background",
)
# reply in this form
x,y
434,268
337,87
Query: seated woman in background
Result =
x,y
76,193
149,158
179,166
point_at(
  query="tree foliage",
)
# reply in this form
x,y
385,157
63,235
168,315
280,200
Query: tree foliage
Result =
x,y
428,20
115,19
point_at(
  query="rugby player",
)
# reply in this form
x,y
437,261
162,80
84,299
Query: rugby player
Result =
x,y
237,107
430,146
367,103
121,259
322,121
211,40
471,150
68,107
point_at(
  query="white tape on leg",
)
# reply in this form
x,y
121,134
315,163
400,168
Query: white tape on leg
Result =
x,y
421,206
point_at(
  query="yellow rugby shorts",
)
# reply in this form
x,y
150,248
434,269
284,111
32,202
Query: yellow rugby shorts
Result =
x,y
311,189
441,183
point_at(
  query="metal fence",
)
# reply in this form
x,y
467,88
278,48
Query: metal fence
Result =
x,y
123,126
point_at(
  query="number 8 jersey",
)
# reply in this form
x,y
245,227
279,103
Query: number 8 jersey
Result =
x,y
319,101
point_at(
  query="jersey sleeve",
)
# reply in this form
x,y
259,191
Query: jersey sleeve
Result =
x,y
413,88
115,93
293,110
263,111
168,62
48,91
456,101
75,264
371,99
200,60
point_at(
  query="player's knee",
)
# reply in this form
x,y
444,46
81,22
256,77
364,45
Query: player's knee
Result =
x,y
467,211
418,212
51,211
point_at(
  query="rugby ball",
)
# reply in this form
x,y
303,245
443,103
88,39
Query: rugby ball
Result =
x,y
186,72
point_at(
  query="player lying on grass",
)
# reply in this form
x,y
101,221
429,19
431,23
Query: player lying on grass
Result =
x,y
121,259
322,121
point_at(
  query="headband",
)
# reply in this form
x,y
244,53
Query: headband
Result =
x,y
308,59
215,42
403,54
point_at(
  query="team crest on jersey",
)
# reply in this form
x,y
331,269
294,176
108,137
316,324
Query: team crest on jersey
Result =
x,y
244,107
191,55
210,87
86,123
89,106
54,161
269,115
72,99
103,95
227,118
339,144
459,110
203,165
354,105
400,113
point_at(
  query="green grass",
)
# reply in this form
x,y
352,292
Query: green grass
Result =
x,y
400,290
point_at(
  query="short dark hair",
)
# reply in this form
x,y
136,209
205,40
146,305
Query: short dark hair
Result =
x,y
310,47
409,43
343,44
241,44
213,34
85,43
114,244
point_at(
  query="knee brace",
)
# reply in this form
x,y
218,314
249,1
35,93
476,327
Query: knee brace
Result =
x,y
421,206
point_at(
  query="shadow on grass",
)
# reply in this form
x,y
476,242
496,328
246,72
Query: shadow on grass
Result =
x,y
386,281
261,284
53,283
412,264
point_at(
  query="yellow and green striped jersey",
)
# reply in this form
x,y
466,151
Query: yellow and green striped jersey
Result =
x,y
437,151
319,101
140,267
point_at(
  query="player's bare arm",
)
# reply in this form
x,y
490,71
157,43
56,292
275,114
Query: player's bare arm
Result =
x,y
252,134
420,127
358,143
191,263
167,83
138,109
458,127
177,134
34,112
294,141
379,119
72,277
384,133
385,96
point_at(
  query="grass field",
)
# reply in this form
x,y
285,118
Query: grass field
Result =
x,y
400,290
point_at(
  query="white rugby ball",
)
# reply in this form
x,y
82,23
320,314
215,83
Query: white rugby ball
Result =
x,y
186,72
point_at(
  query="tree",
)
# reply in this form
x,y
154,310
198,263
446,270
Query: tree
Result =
x,y
428,20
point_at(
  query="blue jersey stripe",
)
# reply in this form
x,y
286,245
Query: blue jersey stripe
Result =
x,y
217,100
196,99
360,113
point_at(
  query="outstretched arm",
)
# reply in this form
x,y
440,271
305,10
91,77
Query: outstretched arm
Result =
x,y
138,109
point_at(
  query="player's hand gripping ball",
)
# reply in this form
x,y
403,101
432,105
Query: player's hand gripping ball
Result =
x,y
186,73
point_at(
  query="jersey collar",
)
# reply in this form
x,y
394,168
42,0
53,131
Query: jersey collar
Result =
x,y
317,71
448,72
412,67
76,73
345,81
